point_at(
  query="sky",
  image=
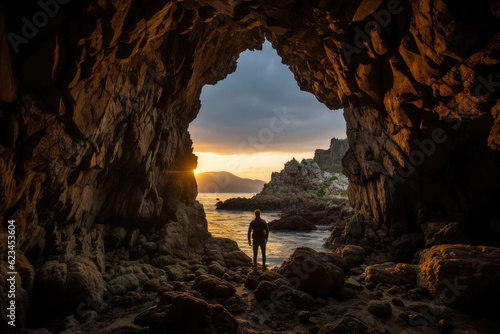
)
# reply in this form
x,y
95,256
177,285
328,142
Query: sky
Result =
x,y
257,119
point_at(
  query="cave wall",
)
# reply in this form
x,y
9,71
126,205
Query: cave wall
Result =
x,y
96,103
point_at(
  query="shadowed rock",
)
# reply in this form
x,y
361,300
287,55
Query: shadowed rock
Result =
x,y
314,272
462,275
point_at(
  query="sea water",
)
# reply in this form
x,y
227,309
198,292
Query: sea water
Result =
x,y
233,224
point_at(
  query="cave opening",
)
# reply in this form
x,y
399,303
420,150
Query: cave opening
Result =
x,y
249,126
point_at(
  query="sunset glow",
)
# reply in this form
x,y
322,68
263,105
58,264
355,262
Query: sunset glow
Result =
x,y
257,166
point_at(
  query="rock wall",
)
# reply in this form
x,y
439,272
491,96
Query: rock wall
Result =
x,y
96,98
331,160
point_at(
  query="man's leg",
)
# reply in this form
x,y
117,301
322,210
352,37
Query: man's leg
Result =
x,y
255,245
263,250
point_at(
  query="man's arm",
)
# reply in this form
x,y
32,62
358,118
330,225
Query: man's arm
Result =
x,y
267,231
249,232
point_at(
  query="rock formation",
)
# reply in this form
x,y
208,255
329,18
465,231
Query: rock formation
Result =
x,y
331,160
297,184
96,98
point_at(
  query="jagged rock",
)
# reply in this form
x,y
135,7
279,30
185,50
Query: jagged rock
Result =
x,y
291,223
352,254
125,282
345,325
462,275
180,312
213,287
264,290
226,252
216,269
380,309
298,184
448,234
391,273
175,272
331,160
62,286
302,299
317,273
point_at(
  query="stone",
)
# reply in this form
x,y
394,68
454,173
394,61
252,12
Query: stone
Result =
x,y
181,312
264,290
346,325
461,276
216,269
175,272
304,316
152,285
128,281
65,285
291,223
302,300
380,309
391,273
213,287
352,254
317,273
449,234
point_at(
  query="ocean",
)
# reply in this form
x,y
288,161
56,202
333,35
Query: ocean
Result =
x,y
233,224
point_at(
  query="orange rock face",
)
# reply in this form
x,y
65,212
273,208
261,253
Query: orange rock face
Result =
x,y
462,275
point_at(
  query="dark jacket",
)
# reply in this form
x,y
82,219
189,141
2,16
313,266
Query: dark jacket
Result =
x,y
259,228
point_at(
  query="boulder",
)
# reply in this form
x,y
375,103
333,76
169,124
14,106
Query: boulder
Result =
x,y
313,272
216,269
391,273
345,325
462,276
291,223
213,287
380,308
352,254
63,286
181,312
264,290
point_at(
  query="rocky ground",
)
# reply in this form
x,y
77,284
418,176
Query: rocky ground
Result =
x,y
312,292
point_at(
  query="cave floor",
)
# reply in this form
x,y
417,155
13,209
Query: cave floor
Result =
x,y
364,308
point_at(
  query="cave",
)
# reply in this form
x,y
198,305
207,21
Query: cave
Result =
x,y
96,98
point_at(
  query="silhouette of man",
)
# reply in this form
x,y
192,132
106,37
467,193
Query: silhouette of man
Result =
x,y
259,236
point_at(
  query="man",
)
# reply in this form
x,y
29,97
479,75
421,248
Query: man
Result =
x,y
260,235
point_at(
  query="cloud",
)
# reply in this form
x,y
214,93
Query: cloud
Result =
x,y
244,105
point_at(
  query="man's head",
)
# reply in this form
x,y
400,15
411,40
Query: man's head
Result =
x,y
257,213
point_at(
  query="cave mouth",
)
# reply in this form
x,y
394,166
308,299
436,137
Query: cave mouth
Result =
x,y
249,125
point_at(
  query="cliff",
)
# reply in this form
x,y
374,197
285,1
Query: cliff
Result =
x,y
331,160
306,176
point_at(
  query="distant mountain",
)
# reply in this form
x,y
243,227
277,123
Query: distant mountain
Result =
x,y
225,182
